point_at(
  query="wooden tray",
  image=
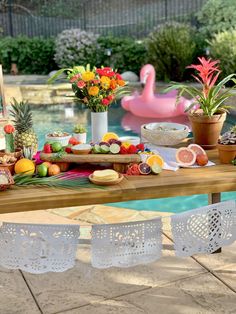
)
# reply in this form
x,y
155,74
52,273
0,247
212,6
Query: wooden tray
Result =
x,y
90,158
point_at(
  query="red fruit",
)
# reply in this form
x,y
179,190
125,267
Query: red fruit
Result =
x,y
133,170
47,149
132,149
9,129
74,141
140,147
144,168
68,150
123,150
202,159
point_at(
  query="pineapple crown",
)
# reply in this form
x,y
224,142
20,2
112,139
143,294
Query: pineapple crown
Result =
x,y
22,116
229,138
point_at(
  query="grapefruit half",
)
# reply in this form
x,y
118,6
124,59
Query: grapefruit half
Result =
x,y
185,156
197,149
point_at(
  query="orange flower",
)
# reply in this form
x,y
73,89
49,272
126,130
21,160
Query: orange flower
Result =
x,y
105,82
113,84
88,76
93,90
121,82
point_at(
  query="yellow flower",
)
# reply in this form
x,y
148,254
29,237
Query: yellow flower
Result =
x,y
88,76
93,90
105,82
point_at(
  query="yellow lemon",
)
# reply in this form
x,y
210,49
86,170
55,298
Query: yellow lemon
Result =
x,y
25,166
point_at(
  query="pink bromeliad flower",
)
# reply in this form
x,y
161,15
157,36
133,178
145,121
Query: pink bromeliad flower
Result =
x,y
208,73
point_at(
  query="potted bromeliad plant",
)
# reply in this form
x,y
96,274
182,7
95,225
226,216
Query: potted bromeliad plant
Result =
x,y
97,89
227,146
207,121
80,133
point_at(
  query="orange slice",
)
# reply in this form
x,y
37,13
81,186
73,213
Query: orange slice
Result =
x,y
108,136
155,160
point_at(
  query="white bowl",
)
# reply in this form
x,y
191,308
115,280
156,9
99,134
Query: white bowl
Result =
x,y
64,140
135,140
164,133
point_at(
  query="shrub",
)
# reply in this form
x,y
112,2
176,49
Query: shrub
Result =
x,y
216,16
32,55
222,47
171,48
127,54
75,47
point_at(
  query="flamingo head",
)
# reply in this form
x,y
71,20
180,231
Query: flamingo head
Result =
x,y
145,72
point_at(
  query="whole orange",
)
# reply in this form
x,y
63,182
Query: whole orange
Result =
x,y
64,166
25,166
53,170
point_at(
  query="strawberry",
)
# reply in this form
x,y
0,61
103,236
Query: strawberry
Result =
x,y
68,149
47,149
140,147
123,150
132,149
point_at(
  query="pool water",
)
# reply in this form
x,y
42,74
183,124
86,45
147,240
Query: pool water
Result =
x,y
48,118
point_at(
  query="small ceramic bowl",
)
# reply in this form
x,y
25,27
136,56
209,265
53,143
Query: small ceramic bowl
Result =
x,y
64,140
81,149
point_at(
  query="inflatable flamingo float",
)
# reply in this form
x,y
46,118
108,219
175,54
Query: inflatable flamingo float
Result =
x,y
152,105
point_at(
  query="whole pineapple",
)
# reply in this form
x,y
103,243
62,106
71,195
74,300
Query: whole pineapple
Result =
x,y
22,119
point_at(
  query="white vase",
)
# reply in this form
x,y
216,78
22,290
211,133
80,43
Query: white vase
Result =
x,y
99,125
81,137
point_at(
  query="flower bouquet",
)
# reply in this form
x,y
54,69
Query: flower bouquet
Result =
x,y
97,89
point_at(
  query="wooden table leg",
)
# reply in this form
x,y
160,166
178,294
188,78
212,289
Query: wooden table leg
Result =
x,y
212,199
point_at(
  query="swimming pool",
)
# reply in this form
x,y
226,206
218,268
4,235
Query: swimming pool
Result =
x,y
65,116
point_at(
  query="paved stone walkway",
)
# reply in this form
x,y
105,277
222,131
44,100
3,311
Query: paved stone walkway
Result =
x,y
200,284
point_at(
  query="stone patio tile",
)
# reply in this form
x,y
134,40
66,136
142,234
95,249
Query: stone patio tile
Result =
x,y
228,275
108,306
220,260
108,214
200,294
15,297
38,216
84,284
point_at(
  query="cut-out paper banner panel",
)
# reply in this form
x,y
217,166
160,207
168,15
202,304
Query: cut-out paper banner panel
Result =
x,y
205,229
126,244
38,248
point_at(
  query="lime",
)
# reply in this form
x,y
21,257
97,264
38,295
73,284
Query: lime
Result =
x,y
56,147
156,169
42,170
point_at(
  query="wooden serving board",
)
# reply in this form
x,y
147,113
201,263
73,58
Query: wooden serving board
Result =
x,y
90,158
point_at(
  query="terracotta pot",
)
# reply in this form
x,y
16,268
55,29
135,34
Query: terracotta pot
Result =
x,y
227,153
206,130
17,153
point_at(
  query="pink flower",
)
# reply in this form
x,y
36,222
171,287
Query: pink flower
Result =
x,y
75,78
105,102
208,73
81,84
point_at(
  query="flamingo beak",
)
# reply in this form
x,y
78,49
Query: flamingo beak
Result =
x,y
144,79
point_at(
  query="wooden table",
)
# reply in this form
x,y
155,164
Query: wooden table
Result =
x,y
206,180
